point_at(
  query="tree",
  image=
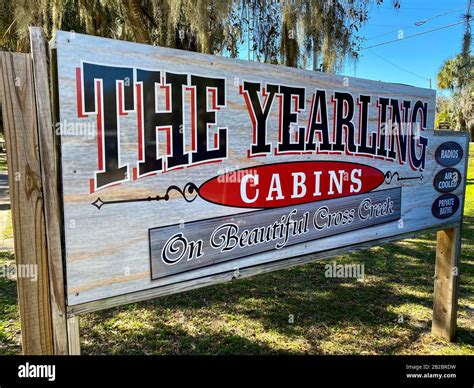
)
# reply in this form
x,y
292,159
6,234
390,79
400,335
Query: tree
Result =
x,y
448,110
193,25
467,38
290,32
457,76
323,32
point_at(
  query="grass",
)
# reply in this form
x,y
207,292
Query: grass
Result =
x,y
388,313
9,316
8,231
3,162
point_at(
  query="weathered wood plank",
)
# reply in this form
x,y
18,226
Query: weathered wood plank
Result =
x,y
73,338
104,259
24,171
446,282
50,179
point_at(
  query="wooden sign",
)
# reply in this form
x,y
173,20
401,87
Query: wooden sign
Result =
x,y
179,170
182,169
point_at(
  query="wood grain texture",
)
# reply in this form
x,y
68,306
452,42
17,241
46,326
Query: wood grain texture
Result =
x,y
24,171
73,339
50,179
107,250
445,304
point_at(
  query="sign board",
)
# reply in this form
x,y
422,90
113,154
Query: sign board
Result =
x,y
179,166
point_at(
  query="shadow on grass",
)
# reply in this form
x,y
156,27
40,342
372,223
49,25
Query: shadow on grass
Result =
x,y
245,316
252,316
172,340
464,336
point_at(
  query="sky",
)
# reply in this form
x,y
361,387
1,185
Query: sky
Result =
x,y
422,56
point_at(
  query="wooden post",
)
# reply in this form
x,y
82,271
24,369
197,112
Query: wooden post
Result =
x,y
448,252
35,204
50,179
74,343
26,197
448,249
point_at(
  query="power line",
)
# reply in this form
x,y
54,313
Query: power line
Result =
x,y
414,8
423,21
387,33
398,66
412,36
418,23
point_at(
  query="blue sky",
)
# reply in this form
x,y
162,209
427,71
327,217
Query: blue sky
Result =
x,y
422,55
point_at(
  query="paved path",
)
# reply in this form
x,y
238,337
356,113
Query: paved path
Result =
x,y
5,243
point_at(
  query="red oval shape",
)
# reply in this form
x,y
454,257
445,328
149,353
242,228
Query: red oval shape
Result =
x,y
290,183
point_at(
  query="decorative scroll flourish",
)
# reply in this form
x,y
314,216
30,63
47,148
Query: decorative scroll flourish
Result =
x,y
189,192
389,176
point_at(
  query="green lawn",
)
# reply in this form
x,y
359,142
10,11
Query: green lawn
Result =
x,y
3,162
9,322
388,313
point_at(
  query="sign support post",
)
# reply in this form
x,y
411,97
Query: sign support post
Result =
x,y
50,186
445,304
446,279
74,343
27,202
33,181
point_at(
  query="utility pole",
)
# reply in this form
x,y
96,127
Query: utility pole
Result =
x,y
248,33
